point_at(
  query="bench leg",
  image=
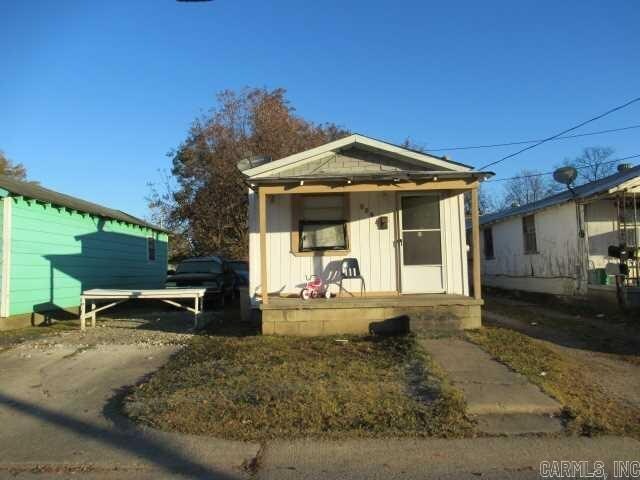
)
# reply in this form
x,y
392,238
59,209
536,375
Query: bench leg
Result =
x,y
82,313
93,314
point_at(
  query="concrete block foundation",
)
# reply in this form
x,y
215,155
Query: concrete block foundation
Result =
x,y
358,316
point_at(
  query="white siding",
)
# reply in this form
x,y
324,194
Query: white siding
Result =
x,y
374,248
602,231
554,269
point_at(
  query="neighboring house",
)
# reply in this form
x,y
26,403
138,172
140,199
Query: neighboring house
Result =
x,y
54,246
560,245
399,212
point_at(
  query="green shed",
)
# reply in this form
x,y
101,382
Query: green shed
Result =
x,y
54,246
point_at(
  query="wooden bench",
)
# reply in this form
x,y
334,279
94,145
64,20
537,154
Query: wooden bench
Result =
x,y
166,295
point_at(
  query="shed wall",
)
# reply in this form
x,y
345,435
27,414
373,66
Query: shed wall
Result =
x,y
57,253
554,269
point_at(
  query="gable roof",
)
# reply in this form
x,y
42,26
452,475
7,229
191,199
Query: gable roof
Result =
x,y
616,182
36,192
420,159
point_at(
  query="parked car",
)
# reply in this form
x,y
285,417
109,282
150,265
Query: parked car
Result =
x,y
241,270
212,273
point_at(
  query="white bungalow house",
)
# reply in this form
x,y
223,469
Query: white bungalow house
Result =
x,y
561,244
399,213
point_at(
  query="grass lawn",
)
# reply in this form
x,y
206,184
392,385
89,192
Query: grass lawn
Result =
x,y
260,387
589,408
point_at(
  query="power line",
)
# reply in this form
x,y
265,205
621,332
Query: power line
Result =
x,y
523,142
551,173
608,112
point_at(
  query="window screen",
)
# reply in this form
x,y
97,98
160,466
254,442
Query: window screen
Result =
x,y
529,234
488,243
420,212
323,235
422,248
323,224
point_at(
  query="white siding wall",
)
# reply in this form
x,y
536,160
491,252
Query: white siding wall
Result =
x,y
602,231
554,269
373,248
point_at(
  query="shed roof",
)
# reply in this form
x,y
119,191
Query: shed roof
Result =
x,y
591,189
36,192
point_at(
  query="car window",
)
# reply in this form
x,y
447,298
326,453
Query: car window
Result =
x,y
199,267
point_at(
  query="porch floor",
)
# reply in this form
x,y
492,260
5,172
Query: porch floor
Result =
x,y
413,300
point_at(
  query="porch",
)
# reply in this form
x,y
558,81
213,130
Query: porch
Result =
x,y
369,314
399,296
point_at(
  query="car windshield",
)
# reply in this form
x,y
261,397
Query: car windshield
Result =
x,y
239,266
200,267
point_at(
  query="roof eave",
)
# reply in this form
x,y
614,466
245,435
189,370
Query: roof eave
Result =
x,y
391,177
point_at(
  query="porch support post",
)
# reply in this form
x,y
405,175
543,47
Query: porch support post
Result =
x,y
262,216
475,241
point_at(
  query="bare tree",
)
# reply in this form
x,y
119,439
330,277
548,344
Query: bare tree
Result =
x,y
208,207
487,202
529,186
594,163
10,169
162,205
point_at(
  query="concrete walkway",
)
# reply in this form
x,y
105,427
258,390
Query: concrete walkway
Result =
x,y
502,400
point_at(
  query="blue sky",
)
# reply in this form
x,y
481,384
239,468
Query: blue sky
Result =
x,y
94,94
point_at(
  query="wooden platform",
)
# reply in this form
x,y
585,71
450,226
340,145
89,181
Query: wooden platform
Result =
x,y
362,315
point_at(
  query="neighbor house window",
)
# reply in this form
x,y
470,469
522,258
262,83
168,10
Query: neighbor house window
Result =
x,y
529,234
488,243
322,222
151,249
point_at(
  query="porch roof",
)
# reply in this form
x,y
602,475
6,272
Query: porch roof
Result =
x,y
416,160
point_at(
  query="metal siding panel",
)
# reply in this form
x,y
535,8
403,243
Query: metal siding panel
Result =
x,y
58,253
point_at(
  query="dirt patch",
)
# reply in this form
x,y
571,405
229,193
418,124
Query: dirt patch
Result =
x,y
607,351
589,406
259,387
607,334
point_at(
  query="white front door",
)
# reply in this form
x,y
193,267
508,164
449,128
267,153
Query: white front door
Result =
x,y
420,243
